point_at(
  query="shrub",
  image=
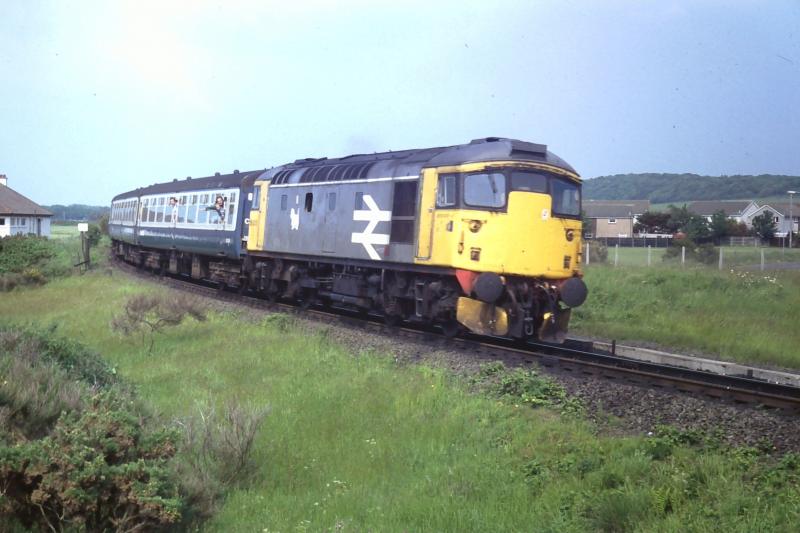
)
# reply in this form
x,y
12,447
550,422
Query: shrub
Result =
x,y
149,314
100,469
18,253
598,252
216,452
699,253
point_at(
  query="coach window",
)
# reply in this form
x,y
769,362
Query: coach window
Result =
x,y
486,189
191,208
446,191
284,202
231,208
202,212
151,214
309,201
160,210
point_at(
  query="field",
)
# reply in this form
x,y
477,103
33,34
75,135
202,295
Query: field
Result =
x,y
736,257
356,442
735,314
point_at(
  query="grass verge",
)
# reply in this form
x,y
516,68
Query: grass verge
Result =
x,y
355,442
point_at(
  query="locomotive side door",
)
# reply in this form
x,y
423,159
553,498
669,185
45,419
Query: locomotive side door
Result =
x,y
427,205
329,225
256,229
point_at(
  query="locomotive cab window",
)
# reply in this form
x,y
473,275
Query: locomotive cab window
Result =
x,y
446,191
256,198
486,189
528,181
566,198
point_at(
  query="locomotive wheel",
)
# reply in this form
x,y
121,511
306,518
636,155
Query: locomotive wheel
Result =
x,y
450,328
307,299
392,320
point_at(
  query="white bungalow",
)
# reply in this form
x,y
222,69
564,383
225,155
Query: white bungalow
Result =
x,y
19,215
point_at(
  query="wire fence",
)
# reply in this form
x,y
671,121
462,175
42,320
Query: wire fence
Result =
x,y
739,257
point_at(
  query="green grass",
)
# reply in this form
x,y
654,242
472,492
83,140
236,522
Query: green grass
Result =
x,y
356,442
750,317
732,257
63,231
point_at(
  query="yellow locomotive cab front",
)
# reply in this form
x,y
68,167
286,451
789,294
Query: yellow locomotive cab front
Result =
x,y
519,222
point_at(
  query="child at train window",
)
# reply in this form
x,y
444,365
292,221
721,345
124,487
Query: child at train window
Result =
x,y
219,209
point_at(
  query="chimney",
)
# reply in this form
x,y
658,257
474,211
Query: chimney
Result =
x,y
3,180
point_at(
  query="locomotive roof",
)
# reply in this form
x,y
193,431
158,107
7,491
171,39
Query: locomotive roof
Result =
x,y
217,181
411,162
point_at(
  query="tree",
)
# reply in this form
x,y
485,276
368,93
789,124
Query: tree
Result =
x,y
764,225
652,222
683,220
150,314
720,225
586,223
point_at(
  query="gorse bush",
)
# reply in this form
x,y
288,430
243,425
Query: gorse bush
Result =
x,y
79,452
18,253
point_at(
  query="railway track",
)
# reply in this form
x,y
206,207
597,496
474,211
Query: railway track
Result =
x,y
573,356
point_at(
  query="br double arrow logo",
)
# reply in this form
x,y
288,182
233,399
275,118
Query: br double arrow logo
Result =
x,y
368,238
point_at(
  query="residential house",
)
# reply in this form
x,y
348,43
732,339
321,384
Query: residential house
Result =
x,y
736,210
780,213
613,218
19,215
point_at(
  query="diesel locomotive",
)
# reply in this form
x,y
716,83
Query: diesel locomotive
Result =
x,y
484,236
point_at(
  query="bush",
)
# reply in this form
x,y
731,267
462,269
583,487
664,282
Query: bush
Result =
x,y
18,253
149,314
94,234
216,452
699,253
598,252
101,469
79,452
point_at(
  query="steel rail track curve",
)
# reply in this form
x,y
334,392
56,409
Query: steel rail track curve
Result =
x,y
573,356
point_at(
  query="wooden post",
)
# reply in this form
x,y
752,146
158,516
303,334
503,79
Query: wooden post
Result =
x,y
720,257
616,254
648,255
683,256
762,259
587,254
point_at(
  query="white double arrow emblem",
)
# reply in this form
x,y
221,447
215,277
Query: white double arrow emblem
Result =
x,y
367,238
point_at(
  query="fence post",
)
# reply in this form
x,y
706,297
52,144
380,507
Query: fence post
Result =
x,y
648,255
587,254
720,258
683,256
762,259
616,254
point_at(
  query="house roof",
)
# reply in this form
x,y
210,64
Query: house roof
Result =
x,y
13,203
709,207
615,208
783,208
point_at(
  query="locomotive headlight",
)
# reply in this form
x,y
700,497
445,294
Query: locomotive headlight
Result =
x,y
570,235
475,226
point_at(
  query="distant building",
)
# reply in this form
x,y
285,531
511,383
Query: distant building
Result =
x,y
19,215
780,214
613,218
735,210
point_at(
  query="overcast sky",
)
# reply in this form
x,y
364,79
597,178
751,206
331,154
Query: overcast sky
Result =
x,y
101,97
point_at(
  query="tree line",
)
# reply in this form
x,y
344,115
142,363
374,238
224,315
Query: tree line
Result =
x,y
77,211
664,188
680,220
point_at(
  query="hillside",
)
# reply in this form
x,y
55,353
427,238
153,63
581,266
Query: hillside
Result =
x,y
663,188
77,211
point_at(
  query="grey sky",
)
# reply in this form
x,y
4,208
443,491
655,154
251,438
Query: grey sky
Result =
x,y
101,97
